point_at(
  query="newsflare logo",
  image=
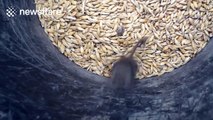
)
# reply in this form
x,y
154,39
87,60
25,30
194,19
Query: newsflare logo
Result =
x,y
11,12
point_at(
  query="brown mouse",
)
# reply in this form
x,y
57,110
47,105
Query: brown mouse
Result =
x,y
125,69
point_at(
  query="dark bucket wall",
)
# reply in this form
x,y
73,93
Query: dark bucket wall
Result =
x,y
38,82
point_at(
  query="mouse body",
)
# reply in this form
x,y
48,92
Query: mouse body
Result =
x,y
125,69
123,72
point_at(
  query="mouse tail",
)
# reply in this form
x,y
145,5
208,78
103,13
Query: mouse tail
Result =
x,y
139,43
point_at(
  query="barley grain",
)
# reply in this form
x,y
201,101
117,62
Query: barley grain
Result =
x,y
85,32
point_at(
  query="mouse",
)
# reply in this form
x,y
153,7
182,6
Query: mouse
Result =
x,y
120,31
124,70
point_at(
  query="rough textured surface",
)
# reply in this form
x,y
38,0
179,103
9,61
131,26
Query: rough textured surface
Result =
x,y
37,82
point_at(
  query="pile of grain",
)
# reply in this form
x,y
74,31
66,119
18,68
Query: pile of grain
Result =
x,y
85,32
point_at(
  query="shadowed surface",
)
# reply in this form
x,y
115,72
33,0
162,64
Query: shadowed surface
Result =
x,y
37,82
